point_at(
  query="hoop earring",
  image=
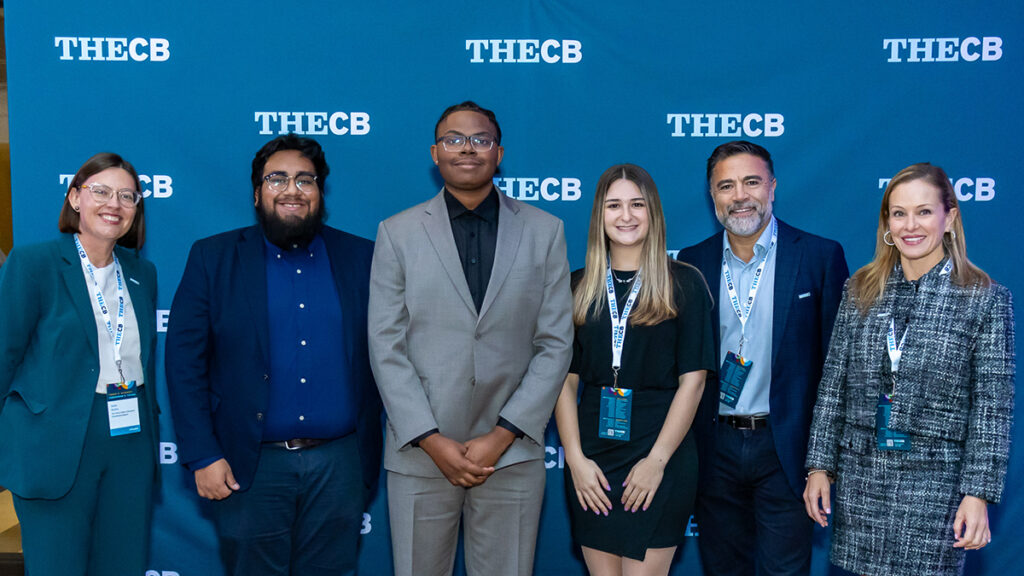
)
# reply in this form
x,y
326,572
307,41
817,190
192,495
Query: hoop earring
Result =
x,y
888,235
952,234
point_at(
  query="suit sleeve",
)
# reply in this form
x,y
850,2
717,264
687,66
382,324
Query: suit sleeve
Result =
x,y
829,409
19,314
401,390
529,408
187,351
987,447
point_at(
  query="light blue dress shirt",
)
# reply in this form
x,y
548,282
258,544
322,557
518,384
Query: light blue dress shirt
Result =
x,y
758,345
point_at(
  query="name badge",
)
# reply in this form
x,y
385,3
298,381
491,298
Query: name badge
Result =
x,y
123,408
731,379
616,410
888,439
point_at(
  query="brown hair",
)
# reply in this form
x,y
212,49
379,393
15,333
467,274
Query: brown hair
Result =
x,y
868,283
70,220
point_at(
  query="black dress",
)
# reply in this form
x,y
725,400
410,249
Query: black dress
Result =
x,y
653,358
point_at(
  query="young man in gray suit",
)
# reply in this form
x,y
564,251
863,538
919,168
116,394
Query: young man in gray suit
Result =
x,y
470,339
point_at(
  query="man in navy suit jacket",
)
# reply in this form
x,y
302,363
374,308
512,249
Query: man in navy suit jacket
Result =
x,y
777,291
274,404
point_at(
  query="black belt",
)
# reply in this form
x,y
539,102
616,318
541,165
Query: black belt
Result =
x,y
744,422
300,443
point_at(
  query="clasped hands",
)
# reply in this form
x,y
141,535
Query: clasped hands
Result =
x,y
467,464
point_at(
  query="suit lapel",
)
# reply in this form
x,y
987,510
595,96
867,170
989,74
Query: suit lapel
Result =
x,y
510,232
712,266
346,292
253,276
788,256
74,281
145,316
439,232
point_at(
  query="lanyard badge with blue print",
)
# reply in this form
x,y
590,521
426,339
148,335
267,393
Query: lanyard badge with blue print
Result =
x,y
617,403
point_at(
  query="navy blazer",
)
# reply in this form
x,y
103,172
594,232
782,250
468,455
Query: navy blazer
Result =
x,y
49,361
809,276
218,357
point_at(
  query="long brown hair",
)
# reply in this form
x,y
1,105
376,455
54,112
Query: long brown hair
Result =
x,y
654,303
868,283
70,220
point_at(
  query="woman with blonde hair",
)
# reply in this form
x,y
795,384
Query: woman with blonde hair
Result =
x,y
641,352
915,404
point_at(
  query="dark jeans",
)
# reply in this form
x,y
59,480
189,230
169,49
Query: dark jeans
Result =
x,y
301,516
750,520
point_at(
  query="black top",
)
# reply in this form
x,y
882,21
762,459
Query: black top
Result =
x,y
476,235
647,362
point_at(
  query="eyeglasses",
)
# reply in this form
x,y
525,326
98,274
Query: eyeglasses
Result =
x,y
278,182
457,142
102,193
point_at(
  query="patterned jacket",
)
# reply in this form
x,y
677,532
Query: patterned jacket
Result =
x,y
955,384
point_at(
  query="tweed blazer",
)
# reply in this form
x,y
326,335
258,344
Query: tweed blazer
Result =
x,y
955,385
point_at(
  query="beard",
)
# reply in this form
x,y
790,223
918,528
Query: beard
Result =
x,y
745,225
286,232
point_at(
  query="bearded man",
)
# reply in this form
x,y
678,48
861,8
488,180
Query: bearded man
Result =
x,y
274,404
777,290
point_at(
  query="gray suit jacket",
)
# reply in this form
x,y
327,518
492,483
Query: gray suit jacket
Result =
x,y
440,364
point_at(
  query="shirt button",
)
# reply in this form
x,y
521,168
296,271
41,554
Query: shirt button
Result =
x,y
301,305
472,260
298,270
259,416
301,417
303,342
302,380
278,256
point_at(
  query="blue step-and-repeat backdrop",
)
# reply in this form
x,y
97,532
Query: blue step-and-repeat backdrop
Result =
x,y
844,96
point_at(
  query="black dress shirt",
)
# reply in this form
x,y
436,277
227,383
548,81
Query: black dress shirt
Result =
x,y
476,235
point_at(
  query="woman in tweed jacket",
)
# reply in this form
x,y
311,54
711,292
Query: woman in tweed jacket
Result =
x,y
949,387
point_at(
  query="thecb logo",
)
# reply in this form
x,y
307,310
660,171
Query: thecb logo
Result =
x,y
314,123
752,125
977,189
970,49
534,189
101,48
155,186
516,51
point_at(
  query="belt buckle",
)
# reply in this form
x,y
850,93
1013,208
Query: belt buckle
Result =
x,y
288,445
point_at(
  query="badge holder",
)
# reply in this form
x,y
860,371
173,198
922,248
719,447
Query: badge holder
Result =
x,y
616,412
123,408
733,376
888,439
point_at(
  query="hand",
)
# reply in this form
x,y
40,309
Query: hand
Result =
x,y
817,497
216,482
642,483
450,458
485,450
970,528
591,485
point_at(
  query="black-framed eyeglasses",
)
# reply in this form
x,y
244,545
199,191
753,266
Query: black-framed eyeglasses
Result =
x,y
278,182
456,142
102,194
